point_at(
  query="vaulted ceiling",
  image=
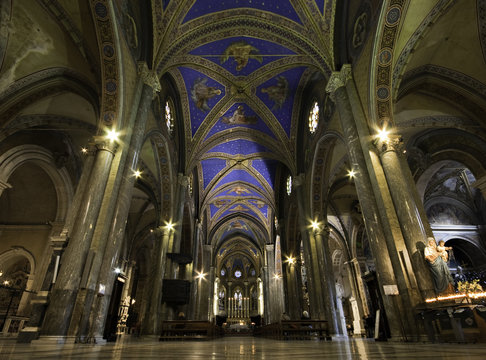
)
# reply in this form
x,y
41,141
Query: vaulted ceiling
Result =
x,y
241,67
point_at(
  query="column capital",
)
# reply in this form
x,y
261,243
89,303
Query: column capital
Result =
x,y
183,180
149,77
299,180
339,79
392,143
323,230
101,143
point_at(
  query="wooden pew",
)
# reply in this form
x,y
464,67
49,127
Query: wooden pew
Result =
x,y
296,330
188,330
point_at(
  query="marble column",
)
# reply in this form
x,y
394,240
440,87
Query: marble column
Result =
x,y
327,276
273,301
195,265
293,290
205,292
371,217
103,269
74,261
39,300
358,297
152,316
408,212
310,253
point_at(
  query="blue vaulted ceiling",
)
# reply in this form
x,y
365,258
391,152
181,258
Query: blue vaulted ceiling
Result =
x,y
241,66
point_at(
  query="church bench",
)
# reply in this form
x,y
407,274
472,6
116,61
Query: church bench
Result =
x,y
188,330
296,330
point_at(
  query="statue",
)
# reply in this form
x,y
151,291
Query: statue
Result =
x,y
440,271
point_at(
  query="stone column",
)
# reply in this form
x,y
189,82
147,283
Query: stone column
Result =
x,y
408,212
328,282
74,261
39,300
152,316
205,292
358,298
103,274
384,268
310,253
293,290
273,301
195,265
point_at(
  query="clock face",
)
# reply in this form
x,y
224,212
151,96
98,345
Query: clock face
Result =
x,y
237,273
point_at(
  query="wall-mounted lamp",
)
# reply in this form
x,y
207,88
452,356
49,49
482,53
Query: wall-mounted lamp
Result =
x,y
200,276
315,225
112,135
169,226
351,173
382,134
137,173
291,260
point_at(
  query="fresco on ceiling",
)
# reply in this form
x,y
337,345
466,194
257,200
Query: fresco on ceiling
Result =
x,y
203,93
267,168
320,5
240,115
240,176
237,226
239,208
241,52
211,168
241,55
279,7
239,190
242,205
279,96
277,93
239,147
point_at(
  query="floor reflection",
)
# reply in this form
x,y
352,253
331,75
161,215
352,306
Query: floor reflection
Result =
x,y
244,348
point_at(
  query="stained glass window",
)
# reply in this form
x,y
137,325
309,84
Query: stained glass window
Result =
x,y
169,117
289,185
314,118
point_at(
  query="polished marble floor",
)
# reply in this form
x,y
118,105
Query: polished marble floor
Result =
x,y
243,348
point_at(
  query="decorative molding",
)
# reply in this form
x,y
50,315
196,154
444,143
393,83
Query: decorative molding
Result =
x,y
105,32
149,77
338,80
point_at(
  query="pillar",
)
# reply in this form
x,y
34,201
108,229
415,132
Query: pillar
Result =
x,y
328,283
153,293
337,87
407,209
293,290
310,253
103,269
75,262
